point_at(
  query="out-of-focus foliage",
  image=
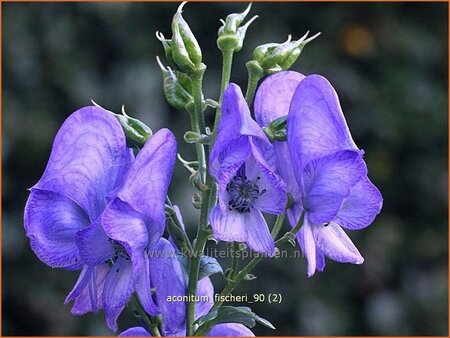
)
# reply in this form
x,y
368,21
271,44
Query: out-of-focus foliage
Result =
x,y
388,62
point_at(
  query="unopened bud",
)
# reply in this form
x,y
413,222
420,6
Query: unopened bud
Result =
x,y
230,35
197,200
177,87
275,57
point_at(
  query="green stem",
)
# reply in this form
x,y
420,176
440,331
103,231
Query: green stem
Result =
x,y
278,224
193,280
255,73
227,56
152,322
199,119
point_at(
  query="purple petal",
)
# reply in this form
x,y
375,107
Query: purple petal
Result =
x,y
274,96
167,277
94,245
88,159
316,124
258,234
235,121
274,200
127,226
327,183
294,213
204,289
119,286
143,289
335,244
306,242
135,332
284,166
88,290
51,222
145,187
228,226
320,260
230,330
361,206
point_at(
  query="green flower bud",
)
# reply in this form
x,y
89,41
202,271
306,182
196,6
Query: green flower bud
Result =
x,y
177,87
230,35
167,45
193,137
186,52
276,130
136,131
275,57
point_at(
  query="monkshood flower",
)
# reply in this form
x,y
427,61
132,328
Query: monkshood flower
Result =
x,y
242,163
318,120
90,165
169,281
334,190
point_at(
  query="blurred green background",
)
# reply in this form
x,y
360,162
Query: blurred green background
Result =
x,y
387,61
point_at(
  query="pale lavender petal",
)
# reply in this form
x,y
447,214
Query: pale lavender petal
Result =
x,y
327,183
335,244
145,187
274,96
235,121
88,290
258,234
94,245
167,278
361,207
316,124
306,242
51,222
230,330
284,165
135,332
119,286
204,289
274,199
143,289
228,226
88,159
320,260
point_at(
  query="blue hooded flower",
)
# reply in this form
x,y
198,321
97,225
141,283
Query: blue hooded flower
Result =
x,y
323,168
91,175
243,164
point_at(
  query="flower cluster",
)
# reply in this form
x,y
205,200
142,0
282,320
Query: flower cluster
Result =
x,y
319,166
102,207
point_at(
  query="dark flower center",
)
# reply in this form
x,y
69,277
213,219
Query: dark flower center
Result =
x,y
243,192
119,250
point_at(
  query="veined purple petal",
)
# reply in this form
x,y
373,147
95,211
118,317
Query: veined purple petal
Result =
x,y
88,160
51,222
305,239
88,290
327,182
335,244
204,289
143,289
316,125
135,332
228,226
235,121
284,165
274,96
230,330
145,187
294,213
167,278
119,286
94,245
320,260
258,234
274,200
361,207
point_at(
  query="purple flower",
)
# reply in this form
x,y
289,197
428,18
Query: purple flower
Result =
x,y
168,280
242,163
321,165
90,178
